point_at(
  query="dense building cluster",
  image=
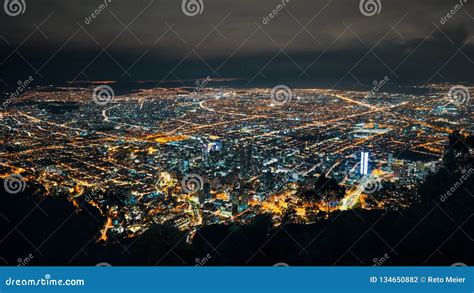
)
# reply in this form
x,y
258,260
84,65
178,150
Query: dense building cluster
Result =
x,y
200,157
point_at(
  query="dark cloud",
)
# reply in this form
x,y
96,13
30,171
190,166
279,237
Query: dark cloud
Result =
x,y
307,42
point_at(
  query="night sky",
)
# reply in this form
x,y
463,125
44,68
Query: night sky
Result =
x,y
308,43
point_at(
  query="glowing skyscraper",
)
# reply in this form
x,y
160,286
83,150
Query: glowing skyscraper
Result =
x,y
364,163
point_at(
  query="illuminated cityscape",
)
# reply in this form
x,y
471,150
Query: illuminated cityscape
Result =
x,y
222,155
236,133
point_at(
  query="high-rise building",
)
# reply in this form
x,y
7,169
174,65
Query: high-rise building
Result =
x,y
234,196
242,157
207,190
245,155
205,193
268,180
215,146
185,166
390,158
364,163
249,156
205,154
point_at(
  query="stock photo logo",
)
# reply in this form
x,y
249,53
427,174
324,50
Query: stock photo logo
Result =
x,y
98,11
192,7
103,94
23,262
14,7
370,7
371,186
201,84
14,184
459,264
459,95
377,262
281,95
200,262
192,183
456,8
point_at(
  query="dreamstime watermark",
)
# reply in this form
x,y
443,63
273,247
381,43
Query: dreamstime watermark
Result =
x,y
459,95
380,261
370,7
14,184
22,86
378,85
281,264
192,7
45,281
268,18
370,185
444,197
452,12
281,95
103,94
290,176
23,262
103,264
88,198
192,183
14,7
90,18
201,84
203,261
